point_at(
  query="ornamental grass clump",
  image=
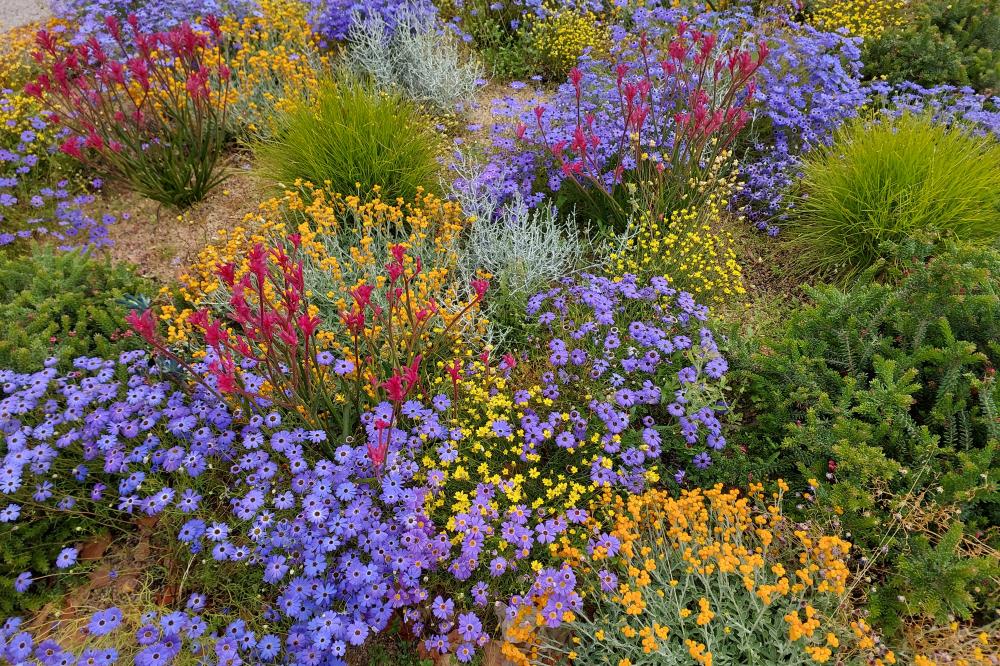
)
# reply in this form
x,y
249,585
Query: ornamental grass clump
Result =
x,y
352,136
711,576
151,112
888,179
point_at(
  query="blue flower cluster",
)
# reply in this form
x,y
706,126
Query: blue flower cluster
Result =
x,y
808,87
88,16
29,208
331,20
342,550
345,544
638,358
946,104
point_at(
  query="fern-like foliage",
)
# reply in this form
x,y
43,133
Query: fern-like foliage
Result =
x,y
63,305
887,391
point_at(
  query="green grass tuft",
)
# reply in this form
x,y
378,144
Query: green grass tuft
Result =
x,y
889,180
354,137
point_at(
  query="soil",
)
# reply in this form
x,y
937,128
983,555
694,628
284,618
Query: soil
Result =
x,y
163,241
14,13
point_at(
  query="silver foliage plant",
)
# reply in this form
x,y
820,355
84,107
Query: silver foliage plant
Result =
x,y
523,249
416,56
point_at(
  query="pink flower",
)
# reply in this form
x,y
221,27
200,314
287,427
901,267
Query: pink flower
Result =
x,y
71,147
398,252
308,325
480,286
362,295
394,388
143,324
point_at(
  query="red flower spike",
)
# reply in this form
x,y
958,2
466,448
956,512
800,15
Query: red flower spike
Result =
x,y
394,388
398,252
143,324
71,147
411,373
354,321
214,334
212,23
480,287
257,259
243,348
362,295
289,335
762,51
198,318
227,273
114,27
377,452
308,325
575,76
395,270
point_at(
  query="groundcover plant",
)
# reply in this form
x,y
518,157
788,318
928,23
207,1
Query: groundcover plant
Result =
x,y
510,333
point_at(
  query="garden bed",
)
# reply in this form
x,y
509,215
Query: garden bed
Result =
x,y
423,333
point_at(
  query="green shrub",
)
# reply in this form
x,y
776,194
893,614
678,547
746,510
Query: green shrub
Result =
x,y
888,392
32,545
886,180
63,305
504,49
953,42
351,138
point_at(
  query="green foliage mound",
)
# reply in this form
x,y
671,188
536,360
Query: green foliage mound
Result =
x,y
955,42
887,180
887,394
353,137
63,305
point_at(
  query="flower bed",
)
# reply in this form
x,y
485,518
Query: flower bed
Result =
x,y
545,397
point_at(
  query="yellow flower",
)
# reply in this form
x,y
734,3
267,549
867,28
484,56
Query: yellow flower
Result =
x,y
686,248
862,18
561,36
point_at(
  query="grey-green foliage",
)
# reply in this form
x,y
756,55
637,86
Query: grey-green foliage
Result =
x,y
417,57
351,138
523,250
